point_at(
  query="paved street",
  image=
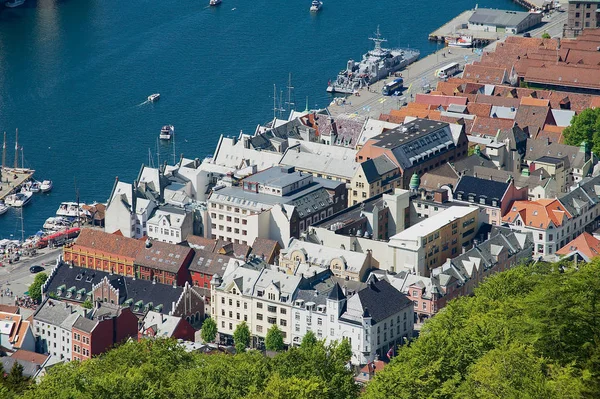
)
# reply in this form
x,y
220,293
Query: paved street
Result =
x,y
17,278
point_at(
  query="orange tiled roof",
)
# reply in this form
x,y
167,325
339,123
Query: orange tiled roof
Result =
x,y
585,243
538,214
93,240
484,74
29,356
535,101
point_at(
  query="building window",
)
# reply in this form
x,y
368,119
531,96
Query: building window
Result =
x,y
272,309
259,329
283,322
259,305
331,332
259,316
272,320
297,316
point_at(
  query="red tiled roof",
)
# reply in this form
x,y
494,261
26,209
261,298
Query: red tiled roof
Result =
x,y
94,240
29,356
565,75
163,256
479,109
439,100
585,243
485,74
538,214
490,126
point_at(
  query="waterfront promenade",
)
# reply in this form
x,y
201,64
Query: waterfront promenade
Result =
x,y
418,78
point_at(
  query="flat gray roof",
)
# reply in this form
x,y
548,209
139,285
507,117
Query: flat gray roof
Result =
x,y
488,16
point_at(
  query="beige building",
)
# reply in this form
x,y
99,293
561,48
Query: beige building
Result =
x,y
373,177
344,264
428,244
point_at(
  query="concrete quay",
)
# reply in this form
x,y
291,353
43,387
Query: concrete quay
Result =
x,y
12,179
418,78
457,26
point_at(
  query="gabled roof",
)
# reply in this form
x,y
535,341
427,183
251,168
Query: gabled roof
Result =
x,y
485,189
585,244
164,256
381,299
538,214
94,240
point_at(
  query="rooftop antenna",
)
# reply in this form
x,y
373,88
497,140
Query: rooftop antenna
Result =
x,y
150,158
4,152
17,149
290,104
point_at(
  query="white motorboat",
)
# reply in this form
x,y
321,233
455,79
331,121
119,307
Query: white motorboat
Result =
x,y
57,223
3,208
19,199
72,210
33,186
167,132
46,186
14,3
214,3
153,97
316,5
461,42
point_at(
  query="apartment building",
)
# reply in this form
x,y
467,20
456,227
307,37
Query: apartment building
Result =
x,y
53,327
374,176
277,203
427,245
170,224
582,14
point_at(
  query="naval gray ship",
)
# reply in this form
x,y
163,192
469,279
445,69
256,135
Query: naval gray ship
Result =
x,y
375,65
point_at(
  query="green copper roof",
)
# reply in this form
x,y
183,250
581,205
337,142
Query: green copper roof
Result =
x,y
414,181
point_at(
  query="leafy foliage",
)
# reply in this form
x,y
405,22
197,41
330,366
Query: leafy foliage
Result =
x,y
87,304
546,35
241,337
530,332
35,289
274,339
209,330
585,127
162,369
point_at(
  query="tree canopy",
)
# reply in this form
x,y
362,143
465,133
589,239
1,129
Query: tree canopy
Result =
x,y
35,289
209,330
241,337
585,126
274,339
530,332
163,369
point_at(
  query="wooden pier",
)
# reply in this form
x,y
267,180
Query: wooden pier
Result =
x,y
12,179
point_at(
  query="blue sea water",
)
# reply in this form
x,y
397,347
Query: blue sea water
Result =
x,y
74,76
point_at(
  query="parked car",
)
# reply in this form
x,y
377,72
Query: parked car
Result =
x,y
36,269
526,34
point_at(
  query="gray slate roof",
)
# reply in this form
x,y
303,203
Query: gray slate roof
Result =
x,y
375,168
382,300
504,18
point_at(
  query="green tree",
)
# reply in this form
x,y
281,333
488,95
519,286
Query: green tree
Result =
x,y
87,304
241,337
308,340
15,381
274,339
209,330
35,289
585,126
546,35
293,388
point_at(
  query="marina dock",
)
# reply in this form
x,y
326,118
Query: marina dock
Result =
x,y
12,179
418,78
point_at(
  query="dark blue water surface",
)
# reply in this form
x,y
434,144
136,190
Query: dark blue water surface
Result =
x,y
73,74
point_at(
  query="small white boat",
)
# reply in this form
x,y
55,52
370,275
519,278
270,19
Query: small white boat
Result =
x,y
46,186
71,209
153,97
56,223
3,208
214,3
167,132
316,5
33,186
462,41
19,199
14,3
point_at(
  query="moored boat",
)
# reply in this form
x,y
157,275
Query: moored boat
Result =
x,y
375,65
214,2
3,208
461,41
71,209
14,3
167,132
46,186
19,199
57,223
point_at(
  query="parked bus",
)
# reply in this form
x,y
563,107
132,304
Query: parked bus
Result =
x,y
392,87
448,70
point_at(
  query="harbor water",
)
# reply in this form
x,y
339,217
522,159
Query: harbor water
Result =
x,y
74,77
